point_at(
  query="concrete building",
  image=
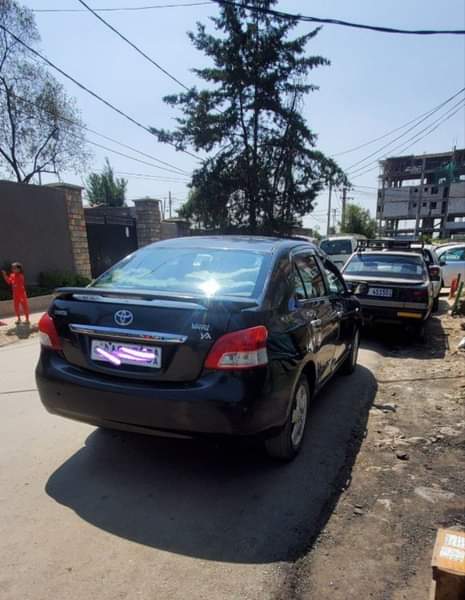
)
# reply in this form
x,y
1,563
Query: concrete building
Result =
x,y
422,194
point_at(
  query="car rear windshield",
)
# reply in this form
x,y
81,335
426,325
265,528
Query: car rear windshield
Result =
x,y
333,247
386,265
197,271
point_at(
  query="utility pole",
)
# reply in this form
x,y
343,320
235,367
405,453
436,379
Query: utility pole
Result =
x,y
328,226
344,202
170,203
334,218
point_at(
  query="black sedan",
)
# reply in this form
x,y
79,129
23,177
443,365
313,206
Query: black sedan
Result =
x,y
201,336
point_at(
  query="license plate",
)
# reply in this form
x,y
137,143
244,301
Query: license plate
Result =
x,y
383,292
120,353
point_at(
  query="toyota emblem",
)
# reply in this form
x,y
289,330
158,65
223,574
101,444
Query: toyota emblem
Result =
x,y
123,317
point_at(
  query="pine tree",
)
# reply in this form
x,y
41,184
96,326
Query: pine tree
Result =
x,y
263,172
103,189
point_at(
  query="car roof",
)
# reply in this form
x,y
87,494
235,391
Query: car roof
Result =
x,y
264,244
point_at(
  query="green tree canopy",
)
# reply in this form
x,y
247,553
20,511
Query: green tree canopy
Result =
x,y
263,171
103,189
358,220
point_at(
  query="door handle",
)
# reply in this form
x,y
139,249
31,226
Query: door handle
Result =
x,y
315,323
340,314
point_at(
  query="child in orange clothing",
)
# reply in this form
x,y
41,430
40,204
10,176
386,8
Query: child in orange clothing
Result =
x,y
16,280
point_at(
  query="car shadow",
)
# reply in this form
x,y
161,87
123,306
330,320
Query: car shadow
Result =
x,y
402,342
220,502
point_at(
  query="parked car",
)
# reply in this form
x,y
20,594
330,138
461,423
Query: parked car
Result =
x,y
452,262
339,248
201,336
432,260
393,286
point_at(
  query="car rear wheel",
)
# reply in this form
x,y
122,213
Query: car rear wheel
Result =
x,y
287,443
348,366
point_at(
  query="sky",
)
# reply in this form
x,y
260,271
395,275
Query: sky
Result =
x,y
376,83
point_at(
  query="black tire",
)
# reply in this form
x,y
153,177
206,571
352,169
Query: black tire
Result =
x,y
286,444
350,363
436,305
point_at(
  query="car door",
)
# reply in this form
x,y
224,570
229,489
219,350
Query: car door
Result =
x,y
318,311
341,303
452,263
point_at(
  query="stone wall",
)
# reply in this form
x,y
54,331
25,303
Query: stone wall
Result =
x,y
148,216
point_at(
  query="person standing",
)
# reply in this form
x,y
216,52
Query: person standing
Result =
x,y
16,281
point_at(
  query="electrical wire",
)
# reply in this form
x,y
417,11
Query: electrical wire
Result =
x,y
136,48
422,120
429,129
120,9
385,135
416,140
85,88
177,170
307,19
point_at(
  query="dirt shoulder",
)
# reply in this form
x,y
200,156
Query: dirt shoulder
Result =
x,y
407,480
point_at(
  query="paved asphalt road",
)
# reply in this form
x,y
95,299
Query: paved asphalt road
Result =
x,y
86,513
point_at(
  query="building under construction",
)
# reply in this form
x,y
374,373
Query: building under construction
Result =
x,y
422,195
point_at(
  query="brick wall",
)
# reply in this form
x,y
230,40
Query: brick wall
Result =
x,y
76,227
148,216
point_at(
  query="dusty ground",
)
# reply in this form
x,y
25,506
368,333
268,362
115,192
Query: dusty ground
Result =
x,y
91,514
408,478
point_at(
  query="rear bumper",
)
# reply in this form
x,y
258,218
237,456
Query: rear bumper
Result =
x,y
216,404
394,314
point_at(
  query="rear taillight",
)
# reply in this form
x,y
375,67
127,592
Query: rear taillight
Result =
x,y
48,335
244,349
435,273
420,295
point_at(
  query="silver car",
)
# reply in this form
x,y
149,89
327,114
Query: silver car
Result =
x,y
452,262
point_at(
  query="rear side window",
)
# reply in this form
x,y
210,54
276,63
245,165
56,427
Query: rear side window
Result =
x,y
309,274
202,271
333,247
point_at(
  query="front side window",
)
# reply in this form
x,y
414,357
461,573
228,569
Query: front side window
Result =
x,y
386,265
335,284
310,276
197,271
454,255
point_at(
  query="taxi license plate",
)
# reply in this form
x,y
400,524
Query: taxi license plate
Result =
x,y
120,353
380,292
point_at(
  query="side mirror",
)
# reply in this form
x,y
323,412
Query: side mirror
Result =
x,y
442,262
434,273
361,289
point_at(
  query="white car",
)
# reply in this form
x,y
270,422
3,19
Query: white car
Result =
x,y
452,261
340,248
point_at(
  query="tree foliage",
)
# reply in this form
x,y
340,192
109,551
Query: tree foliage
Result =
x,y
103,189
263,172
40,127
358,220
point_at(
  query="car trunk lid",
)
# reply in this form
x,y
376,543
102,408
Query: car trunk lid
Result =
x,y
140,335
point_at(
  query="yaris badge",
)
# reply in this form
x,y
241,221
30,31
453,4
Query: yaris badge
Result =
x,y
123,317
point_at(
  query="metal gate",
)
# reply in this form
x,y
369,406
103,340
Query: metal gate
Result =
x,y
110,238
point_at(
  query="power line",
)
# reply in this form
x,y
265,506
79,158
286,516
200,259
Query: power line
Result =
x,y
136,48
83,87
120,9
177,170
385,135
422,120
446,116
152,177
307,19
